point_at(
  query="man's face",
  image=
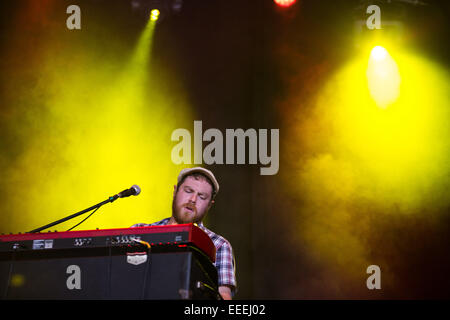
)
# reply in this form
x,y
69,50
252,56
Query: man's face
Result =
x,y
192,200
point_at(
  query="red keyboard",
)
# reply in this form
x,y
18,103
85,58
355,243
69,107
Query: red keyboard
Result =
x,y
173,235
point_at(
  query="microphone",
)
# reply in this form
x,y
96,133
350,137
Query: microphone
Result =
x,y
133,191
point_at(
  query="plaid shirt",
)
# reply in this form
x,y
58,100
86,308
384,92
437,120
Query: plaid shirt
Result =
x,y
224,264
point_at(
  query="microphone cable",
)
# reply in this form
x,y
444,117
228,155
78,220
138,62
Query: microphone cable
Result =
x,y
84,218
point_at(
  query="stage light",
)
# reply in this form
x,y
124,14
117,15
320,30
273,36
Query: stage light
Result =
x,y
378,53
359,162
383,77
285,3
154,14
111,108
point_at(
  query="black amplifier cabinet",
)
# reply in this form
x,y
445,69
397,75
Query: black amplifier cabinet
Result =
x,y
128,271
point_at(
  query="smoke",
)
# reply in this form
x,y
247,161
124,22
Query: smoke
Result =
x,y
83,117
371,185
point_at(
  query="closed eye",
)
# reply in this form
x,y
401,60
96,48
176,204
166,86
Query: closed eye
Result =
x,y
201,195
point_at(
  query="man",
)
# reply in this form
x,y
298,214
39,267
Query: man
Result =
x,y
193,196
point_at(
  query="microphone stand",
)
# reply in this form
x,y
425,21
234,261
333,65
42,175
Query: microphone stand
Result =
x,y
98,205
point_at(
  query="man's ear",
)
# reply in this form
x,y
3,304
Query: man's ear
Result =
x,y
174,190
210,204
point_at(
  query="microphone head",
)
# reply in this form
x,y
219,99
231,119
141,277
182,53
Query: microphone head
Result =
x,y
136,189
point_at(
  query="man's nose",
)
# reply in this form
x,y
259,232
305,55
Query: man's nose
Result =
x,y
193,198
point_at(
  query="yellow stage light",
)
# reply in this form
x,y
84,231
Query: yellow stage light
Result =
x,y
109,128
154,14
383,77
379,53
354,163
